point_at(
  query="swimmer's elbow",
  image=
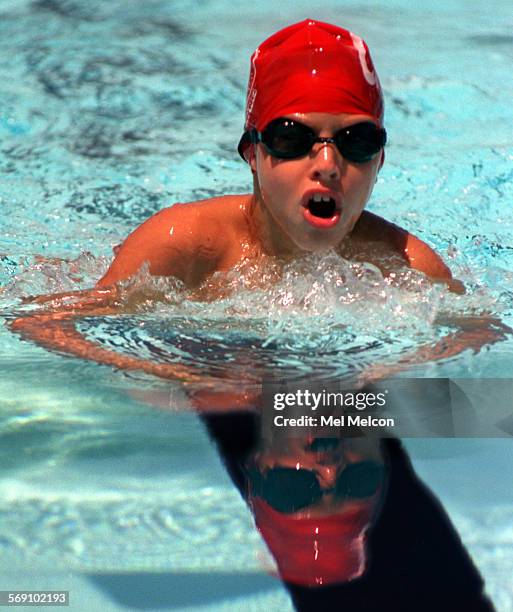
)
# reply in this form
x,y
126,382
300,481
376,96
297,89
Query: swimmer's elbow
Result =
x,y
422,257
126,266
165,243
117,272
456,286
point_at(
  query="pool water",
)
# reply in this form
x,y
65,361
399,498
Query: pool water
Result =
x,y
112,110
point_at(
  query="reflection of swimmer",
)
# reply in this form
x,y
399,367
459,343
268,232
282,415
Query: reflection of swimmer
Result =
x,y
313,140
313,500
382,543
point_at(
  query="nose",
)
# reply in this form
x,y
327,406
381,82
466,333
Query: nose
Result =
x,y
327,476
323,445
326,162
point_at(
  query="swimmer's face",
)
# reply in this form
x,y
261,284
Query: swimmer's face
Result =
x,y
287,186
327,458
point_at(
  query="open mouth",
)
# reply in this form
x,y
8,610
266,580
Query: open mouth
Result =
x,y
323,208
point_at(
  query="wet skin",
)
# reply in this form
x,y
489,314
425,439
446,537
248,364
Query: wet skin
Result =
x,y
284,187
193,240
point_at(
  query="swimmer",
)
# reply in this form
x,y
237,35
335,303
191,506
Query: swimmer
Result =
x,y
313,140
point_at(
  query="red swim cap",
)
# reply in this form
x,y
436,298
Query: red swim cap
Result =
x,y
312,66
316,551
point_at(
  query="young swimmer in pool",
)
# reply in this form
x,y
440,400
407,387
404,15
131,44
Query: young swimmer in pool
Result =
x,y
314,140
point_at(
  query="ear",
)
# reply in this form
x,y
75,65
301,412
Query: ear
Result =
x,y
382,160
251,158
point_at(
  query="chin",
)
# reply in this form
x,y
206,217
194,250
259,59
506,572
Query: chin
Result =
x,y
318,244
318,247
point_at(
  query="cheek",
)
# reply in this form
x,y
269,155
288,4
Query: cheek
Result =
x,y
362,184
276,182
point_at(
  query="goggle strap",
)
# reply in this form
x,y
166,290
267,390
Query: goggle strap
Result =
x,y
246,139
253,136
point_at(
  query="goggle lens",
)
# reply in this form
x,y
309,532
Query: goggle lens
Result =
x,y
288,490
288,139
360,142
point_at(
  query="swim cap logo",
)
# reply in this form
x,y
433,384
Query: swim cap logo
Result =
x,y
252,91
370,76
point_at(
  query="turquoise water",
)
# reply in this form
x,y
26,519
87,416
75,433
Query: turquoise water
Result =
x,y
110,111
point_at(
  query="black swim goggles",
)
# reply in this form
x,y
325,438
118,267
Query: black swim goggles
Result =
x,y
288,139
288,490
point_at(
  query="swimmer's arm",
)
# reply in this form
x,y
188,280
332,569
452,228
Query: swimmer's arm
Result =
x,y
416,253
472,333
54,328
170,245
174,242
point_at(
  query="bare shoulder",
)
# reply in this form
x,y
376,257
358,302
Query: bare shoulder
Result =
x,y
372,228
186,240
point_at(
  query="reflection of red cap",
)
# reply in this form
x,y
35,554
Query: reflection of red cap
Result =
x,y
311,66
316,551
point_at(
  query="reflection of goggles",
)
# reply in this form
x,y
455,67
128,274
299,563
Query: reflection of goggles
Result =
x,y
288,490
287,139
